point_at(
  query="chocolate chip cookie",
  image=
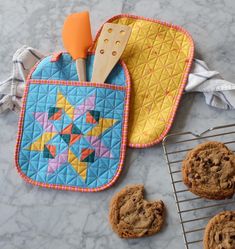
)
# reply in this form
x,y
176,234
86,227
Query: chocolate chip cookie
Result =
x,y
220,231
132,217
209,171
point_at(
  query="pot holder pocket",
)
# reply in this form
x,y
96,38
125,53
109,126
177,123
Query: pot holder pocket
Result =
x,y
158,56
72,135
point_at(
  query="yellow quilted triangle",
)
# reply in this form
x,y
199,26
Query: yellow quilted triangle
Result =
x,y
104,124
38,145
80,167
62,102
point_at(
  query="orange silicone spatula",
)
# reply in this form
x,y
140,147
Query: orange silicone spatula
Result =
x,y
77,39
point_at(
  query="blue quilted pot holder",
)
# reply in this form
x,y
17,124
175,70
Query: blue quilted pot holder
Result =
x,y
72,135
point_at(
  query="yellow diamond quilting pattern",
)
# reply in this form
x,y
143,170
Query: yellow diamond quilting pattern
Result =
x,y
158,56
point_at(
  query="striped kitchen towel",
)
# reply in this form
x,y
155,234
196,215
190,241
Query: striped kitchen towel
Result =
x,y
11,89
218,92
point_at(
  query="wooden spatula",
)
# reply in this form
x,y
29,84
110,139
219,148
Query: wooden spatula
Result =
x,y
110,46
77,39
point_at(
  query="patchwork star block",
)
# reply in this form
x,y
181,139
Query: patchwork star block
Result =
x,y
71,134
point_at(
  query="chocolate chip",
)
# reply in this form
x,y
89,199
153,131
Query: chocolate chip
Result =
x,y
220,237
158,210
197,176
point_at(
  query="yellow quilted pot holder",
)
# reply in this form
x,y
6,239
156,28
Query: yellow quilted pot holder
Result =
x,y
158,56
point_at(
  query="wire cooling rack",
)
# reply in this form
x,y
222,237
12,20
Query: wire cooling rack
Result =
x,y
194,212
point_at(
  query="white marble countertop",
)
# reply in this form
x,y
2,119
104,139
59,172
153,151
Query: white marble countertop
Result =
x,y
32,217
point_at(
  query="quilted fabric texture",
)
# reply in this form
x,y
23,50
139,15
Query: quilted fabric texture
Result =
x,y
72,135
158,57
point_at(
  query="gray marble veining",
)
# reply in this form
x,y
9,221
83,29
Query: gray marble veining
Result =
x,y
32,217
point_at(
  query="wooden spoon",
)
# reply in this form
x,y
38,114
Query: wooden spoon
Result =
x,y
77,39
111,44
